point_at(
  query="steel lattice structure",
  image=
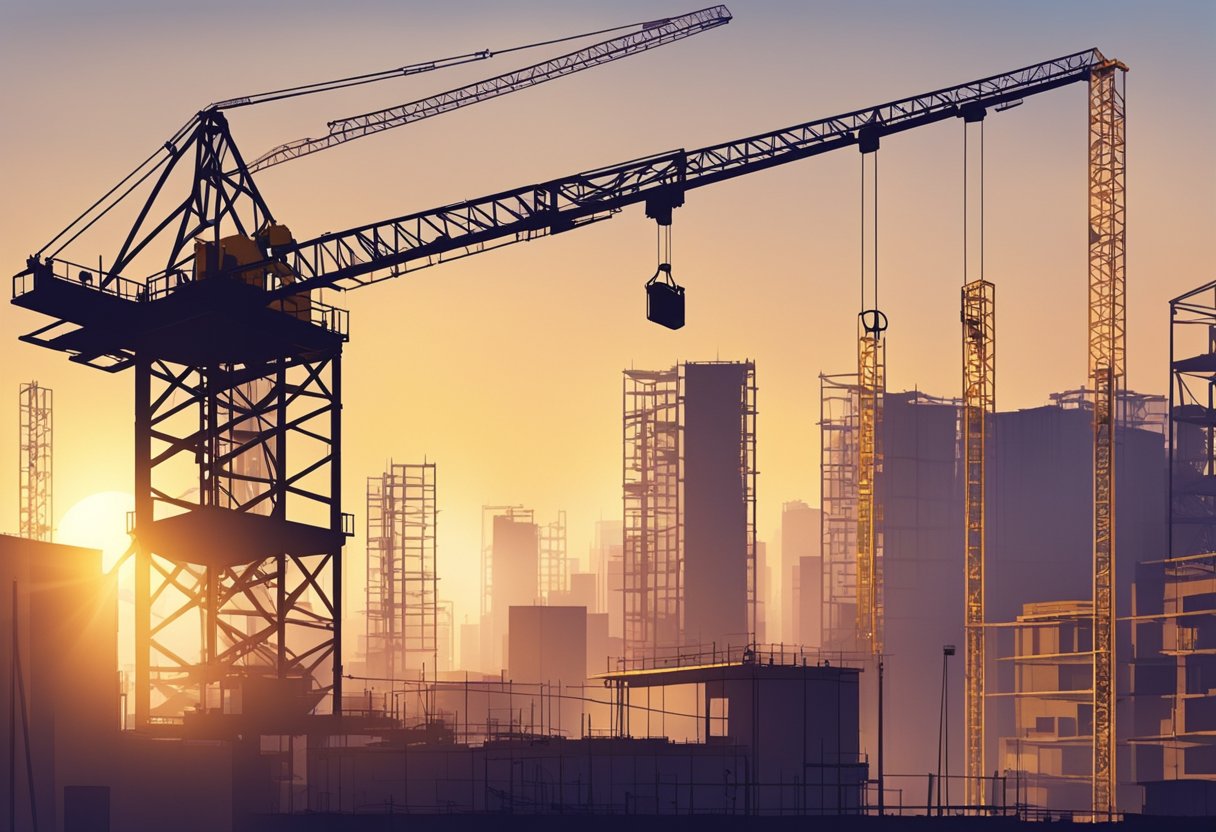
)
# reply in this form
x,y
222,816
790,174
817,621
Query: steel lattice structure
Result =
x,y
1107,328
35,461
402,570
871,385
653,34
653,531
979,400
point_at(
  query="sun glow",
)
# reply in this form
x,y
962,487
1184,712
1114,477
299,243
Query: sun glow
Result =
x,y
99,521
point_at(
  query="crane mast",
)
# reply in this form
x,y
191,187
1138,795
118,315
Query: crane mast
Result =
x,y
1107,345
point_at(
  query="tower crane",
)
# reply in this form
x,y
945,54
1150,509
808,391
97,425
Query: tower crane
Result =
x,y
242,305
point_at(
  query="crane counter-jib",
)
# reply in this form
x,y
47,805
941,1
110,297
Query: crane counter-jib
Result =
x,y
370,253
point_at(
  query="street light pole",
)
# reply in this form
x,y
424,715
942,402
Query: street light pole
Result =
x,y
943,732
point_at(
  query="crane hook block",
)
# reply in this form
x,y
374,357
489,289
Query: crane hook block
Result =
x,y
665,299
873,322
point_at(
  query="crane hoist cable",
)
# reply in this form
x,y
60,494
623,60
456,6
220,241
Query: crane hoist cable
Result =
x,y
966,211
872,320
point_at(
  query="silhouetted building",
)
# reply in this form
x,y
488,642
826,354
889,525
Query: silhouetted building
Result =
x,y
61,689
1173,679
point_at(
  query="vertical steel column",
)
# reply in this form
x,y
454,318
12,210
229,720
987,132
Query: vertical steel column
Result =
x,y
143,551
979,400
838,413
1107,317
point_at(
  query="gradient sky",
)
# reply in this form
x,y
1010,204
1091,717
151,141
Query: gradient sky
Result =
x,y
505,368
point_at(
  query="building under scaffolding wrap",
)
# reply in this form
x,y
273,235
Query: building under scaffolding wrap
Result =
x,y
871,385
838,495
689,483
402,617
34,462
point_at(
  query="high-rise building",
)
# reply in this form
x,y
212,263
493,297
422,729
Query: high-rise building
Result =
x,y
689,489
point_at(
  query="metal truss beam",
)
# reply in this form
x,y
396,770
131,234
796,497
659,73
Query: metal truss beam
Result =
x,y
371,253
979,400
871,386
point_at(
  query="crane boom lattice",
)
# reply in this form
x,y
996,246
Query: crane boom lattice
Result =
x,y
34,462
979,400
1107,328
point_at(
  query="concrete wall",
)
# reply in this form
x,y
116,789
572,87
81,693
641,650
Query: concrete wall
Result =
x,y
715,520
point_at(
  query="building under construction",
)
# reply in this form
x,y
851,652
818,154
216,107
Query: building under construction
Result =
x,y
689,470
1039,463
402,614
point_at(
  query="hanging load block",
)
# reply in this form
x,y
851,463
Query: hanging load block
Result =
x,y
665,299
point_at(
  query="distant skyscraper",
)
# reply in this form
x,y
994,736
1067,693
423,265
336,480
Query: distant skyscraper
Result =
x,y
800,539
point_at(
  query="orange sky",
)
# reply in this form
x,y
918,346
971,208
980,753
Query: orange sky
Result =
x,y
518,397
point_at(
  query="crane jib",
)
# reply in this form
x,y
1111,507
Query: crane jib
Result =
x,y
360,256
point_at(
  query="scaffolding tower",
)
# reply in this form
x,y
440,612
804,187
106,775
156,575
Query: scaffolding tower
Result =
x,y
979,400
653,534
747,467
1107,344
554,560
35,461
871,386
838,459
402,614
1192,422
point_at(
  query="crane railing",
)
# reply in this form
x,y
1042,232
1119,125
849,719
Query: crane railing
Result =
x,y
378,251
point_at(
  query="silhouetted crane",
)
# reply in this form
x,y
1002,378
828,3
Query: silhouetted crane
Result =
x,y
235,354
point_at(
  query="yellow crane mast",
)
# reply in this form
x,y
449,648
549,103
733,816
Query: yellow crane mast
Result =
x,y
979,400
1107,343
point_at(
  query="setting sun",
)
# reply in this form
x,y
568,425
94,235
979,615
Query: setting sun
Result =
x,y
99,521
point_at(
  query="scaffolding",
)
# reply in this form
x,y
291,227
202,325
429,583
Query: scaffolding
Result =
x,y
747,465
979,400
653,486
871,376
838,460
1173,641
1192,422
554,560
402,611
34,462
1051,658
1107,345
